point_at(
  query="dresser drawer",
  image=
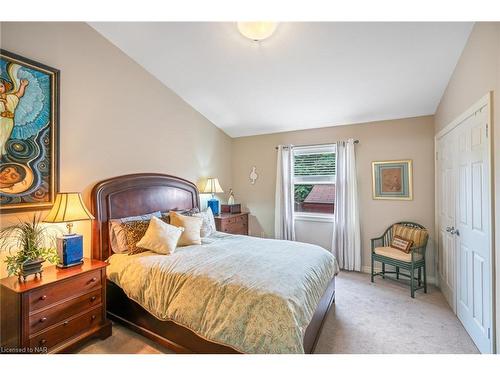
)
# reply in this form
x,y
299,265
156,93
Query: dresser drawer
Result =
x,y
66,329
232,223
236,219
237,230
62,311
239,227
50,294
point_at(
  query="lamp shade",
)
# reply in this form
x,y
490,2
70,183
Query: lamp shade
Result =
x,y
213,186
68,207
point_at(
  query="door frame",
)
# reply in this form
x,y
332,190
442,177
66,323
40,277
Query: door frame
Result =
x,y
485,101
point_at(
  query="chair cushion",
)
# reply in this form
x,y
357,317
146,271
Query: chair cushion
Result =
x,y
390,252
418,236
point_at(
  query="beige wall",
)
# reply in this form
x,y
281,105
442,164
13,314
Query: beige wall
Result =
x,y
478,72
386,140
115,117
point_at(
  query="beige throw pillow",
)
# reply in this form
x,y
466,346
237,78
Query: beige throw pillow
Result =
x,y
192,228
117,235
160,237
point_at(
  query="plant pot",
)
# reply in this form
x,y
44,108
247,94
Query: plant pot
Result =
x,y
31,267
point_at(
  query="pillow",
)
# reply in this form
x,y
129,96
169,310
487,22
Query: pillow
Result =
x,y
417,235
117,237
191,225
208,225
400,243
165,216
133,232
160,237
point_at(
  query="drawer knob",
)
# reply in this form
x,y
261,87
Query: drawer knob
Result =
x,y
93,317
93,280
43,319
43,342
44,297
93,298
65,323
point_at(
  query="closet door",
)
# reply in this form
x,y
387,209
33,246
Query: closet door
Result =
x,y
473,230
446,185
464,221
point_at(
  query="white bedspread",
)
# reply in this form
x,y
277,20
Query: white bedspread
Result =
x,y
254,295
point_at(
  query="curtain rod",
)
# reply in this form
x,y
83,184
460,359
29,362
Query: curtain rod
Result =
x,y
319,144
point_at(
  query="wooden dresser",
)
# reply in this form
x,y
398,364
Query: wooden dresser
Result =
x,y
56,312
232,223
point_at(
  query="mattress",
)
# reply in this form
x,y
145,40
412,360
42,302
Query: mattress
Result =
x,y
252,294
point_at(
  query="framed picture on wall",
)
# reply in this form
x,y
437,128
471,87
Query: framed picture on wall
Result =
x,y
392,180
29,134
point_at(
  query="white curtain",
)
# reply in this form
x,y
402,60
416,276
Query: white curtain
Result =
x,y
284,226
346,234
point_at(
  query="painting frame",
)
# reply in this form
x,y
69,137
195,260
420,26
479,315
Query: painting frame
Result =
x,y
392,180
54,128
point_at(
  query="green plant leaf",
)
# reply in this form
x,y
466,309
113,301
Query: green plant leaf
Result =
x,y
27,240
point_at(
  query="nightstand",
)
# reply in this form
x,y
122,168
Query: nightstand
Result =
x,y
56,312
232,223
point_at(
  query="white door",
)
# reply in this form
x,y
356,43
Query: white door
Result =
x,y
446,211
473,235
463,192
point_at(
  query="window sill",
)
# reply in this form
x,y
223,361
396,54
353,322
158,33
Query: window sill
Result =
x,y
325,218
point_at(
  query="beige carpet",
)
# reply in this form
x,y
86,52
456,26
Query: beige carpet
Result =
x,y
367,318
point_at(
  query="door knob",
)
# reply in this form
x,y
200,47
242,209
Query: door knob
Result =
x,y
455,231
450,229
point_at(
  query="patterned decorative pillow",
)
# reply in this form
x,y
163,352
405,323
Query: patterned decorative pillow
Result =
x,y
208,225
117,236
400,243
134,231
165,216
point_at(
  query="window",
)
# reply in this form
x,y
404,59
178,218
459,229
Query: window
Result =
x,y
314,179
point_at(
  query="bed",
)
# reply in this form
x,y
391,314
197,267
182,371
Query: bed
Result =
x,y
137,194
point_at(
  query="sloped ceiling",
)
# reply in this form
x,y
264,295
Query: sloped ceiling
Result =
x,y
307,75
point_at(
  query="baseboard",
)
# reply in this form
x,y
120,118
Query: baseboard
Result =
x,y
367,269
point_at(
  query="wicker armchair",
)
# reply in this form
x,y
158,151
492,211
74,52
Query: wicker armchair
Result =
x,y
414,260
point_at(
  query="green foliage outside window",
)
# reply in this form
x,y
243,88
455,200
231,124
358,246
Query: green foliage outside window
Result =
x,y
315,164
301,192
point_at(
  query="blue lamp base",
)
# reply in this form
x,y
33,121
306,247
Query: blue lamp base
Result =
x,y
70,250
214,205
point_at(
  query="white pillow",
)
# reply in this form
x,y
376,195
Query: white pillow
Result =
x,y
117,237
208,225
160,237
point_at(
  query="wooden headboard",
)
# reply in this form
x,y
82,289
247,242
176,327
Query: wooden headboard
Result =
x,y
136,194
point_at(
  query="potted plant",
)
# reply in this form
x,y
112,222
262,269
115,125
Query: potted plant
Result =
x,y
33,245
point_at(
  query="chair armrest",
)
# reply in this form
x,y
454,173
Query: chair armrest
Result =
x,y
377,242
418,250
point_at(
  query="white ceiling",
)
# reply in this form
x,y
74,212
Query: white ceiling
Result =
x,y
307,75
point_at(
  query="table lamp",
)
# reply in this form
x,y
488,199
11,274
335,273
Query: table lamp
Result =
x,y
213,187
67,208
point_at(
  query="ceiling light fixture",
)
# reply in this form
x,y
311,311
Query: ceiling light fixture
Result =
x,y
257,31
